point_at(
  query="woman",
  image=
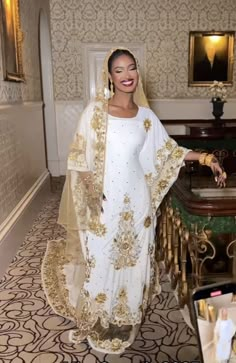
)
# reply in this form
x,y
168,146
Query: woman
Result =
x,y
224,332
121,165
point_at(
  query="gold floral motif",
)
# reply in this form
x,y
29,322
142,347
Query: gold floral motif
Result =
x,y
147,124
123,294
96,227
169,160
178,152
147,222
91,309
154,287
160,155
77,152
127,216
162,184
54,280
149,179
121,312
113,345
164,152
100,147
98,123
170,144
126,199
101,298
125,248
150,249
86,319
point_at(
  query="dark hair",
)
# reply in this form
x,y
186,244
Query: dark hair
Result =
x,y
116,54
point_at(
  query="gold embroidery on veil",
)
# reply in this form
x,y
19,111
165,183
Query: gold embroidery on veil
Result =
x,y
77,151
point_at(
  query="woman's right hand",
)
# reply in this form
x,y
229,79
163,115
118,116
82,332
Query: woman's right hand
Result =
x,y
219,173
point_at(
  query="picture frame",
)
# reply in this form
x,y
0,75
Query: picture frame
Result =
x,y
211,56
11,41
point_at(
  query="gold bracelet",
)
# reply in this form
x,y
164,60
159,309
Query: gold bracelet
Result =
x,y
209,158
202,158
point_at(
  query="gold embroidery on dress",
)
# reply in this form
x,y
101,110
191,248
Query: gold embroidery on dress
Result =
x,y
98,123
147,124
96,227
90,309
178,153
164,152
169,159
149,179
163,183
113,345
150,249
147,222
125,248
93,310
121,313
101,298
170,144
154,287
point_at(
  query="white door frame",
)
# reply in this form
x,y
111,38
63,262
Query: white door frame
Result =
x,y
48,95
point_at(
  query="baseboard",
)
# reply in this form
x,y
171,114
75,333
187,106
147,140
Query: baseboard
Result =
x,y
17,224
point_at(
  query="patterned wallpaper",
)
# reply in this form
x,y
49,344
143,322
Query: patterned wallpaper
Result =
x,y
162,25
17,125
31,89
12,177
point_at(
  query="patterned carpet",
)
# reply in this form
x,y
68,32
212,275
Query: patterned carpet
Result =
x,y
31,332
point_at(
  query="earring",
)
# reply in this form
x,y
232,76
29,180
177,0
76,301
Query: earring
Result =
x,y
111,88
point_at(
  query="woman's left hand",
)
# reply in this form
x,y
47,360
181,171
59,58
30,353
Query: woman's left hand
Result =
x,y
219,173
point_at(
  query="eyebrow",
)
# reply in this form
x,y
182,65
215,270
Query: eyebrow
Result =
x,y
130,65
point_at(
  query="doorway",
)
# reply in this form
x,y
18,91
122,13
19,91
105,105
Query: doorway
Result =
x,y
50,127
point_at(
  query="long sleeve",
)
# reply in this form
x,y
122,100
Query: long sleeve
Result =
x,y
161,159
82,192
79,158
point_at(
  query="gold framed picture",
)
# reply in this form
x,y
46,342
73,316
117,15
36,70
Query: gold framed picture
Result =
x,y
11,41
211,56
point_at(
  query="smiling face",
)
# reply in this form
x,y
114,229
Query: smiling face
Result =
x,y
123,73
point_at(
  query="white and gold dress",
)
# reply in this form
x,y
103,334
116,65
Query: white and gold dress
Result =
x,y
105,281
